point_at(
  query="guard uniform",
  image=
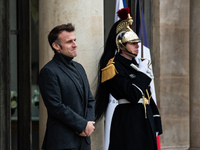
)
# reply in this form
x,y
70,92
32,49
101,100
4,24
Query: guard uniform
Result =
x,y
130,129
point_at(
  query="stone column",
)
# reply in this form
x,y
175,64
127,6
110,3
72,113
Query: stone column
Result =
x,y
194,75
87,16
171,43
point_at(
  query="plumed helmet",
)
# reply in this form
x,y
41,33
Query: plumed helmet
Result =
x,y
124,32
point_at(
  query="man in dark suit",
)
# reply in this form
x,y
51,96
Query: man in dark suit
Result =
x,y
66,94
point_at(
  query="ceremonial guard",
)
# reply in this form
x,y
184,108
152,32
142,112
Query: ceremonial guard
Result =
x,y
136,120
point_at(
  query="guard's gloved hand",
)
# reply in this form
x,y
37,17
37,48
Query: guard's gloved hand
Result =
x,y
143,65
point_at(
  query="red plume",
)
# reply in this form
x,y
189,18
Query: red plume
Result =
x,y
123,13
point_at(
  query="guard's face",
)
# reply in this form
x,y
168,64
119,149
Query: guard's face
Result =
x,y
67,45
133,48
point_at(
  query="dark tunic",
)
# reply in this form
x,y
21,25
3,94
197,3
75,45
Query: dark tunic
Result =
x,y
130,130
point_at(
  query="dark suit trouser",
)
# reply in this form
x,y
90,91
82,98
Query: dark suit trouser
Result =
x,y
83,146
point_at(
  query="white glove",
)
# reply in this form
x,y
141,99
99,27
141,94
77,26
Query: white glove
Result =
x,y
143,65
149,71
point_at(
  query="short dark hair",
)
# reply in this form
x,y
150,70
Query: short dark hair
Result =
x,y
53,35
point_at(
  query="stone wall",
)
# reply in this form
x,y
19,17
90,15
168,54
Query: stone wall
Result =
x,y
171,31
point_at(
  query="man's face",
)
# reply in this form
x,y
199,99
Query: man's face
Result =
x,y
67,45
133,48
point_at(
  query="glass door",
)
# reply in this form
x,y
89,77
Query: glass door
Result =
x,y
16,59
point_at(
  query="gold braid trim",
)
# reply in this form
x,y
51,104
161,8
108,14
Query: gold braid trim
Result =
x,y
145,102
149,97
109,71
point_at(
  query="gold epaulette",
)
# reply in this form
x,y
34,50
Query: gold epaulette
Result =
x,y
109,71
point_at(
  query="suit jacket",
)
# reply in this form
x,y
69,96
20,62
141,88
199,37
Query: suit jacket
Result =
x,y
70,105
